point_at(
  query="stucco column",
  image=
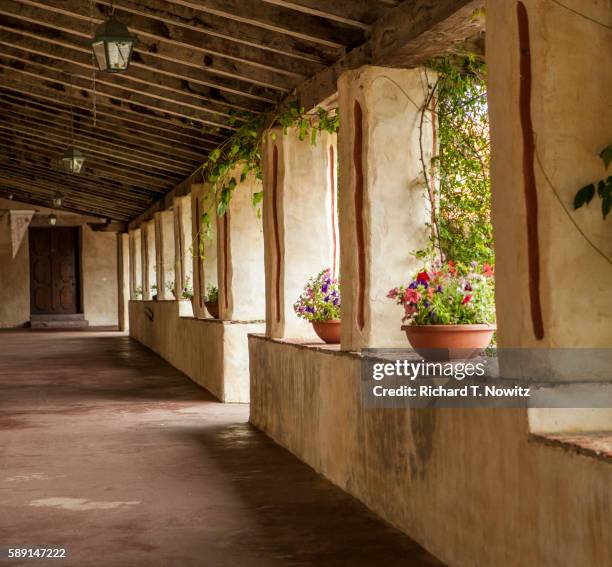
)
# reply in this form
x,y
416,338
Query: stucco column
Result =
x,y
149,277
199,205
124,285
383,207
135,237
299,215
240,256
549,106
182,241
164,248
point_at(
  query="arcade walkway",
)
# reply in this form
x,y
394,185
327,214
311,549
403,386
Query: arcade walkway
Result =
x,y
108,450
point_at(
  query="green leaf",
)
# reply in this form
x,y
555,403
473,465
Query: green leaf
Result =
x,y
214,155
584,196
606,155
257,198
313,137
606,204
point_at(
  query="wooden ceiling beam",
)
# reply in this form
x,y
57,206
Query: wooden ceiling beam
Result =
x,y
357,13
28,109
69,196
83,101
82,74
84,141
32,96
144,69
39,72
152,182
63,142
405,37
41,194
61,123
154,42
306,27
81,59
74,188
39,164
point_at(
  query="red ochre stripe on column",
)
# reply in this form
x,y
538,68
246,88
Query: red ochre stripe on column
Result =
x,y
332,174
226,242
359,197
531,194
277,245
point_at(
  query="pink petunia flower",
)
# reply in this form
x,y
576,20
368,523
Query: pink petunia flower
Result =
x,y
411,296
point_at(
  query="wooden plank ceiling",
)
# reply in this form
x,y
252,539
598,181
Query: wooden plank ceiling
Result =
x,y
145,130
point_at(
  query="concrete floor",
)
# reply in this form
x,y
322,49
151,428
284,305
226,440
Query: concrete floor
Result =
x,y
108,450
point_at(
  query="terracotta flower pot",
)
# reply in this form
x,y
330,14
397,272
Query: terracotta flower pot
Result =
x,y
328,331
448,342
213,308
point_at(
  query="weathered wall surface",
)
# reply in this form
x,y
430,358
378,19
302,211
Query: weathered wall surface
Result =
x,y
212,353
469,485
383,204
572,123
98,270
14,276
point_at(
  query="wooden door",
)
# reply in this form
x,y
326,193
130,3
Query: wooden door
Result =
x,y
54,273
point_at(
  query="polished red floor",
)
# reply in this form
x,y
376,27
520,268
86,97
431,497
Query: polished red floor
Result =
x,y
111,452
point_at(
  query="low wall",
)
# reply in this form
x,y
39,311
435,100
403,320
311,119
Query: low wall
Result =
x,y
212,353
472,486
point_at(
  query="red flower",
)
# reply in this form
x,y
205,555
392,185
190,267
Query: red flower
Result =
x,y
422,277
393,293
451,267
466,299
411,296
488,271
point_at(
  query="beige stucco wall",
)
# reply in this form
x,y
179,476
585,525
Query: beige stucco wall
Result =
x,y
394,214
14,275
212,353
572,123
99,295
470,485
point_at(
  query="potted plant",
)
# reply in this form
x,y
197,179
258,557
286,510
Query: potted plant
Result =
x,y
211,300
138,292
170,288
320,305
154,292
187,292
449,310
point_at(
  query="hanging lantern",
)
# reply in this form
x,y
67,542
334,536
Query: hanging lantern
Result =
x,y
52,219
112,46
57,200
72,160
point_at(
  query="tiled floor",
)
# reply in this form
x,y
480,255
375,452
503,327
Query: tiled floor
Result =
x,y
111,452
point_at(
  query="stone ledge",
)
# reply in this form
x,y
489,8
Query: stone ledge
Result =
x,y
308,345
230,322
595,444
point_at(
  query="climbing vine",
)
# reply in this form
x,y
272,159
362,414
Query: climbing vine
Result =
x,y
604,187
243,151
457,179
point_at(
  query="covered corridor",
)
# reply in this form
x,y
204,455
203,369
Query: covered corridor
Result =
x,y
106,446
224,227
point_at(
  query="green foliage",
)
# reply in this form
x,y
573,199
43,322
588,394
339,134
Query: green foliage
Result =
x,y
320,300
448,294
187,292
604,188
212,293
244,149
459,174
